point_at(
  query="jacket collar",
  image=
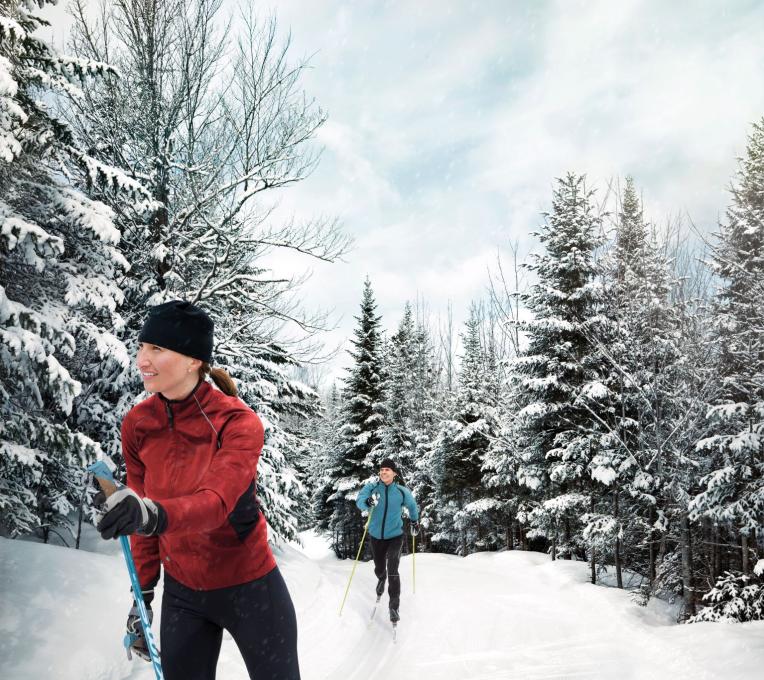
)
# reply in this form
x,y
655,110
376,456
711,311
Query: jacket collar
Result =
x,y
180,406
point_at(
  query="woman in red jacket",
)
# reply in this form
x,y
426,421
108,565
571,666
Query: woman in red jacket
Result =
x,y
191,454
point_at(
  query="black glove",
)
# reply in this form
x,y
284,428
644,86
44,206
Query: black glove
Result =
x,y
414,528
135,641
127,513
371,501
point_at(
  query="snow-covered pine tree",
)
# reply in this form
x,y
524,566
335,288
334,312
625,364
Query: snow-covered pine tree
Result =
x,y
310,429
555,431
362,427
326,460
400,372
491,510
733,493
635,340
504,498
412,387
280,400
460,449
59,298
427,398
513,501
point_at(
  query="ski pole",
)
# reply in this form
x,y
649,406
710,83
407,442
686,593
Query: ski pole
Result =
x,y
413,558
360,547
106,481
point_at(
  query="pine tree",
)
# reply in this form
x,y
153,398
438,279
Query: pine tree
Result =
x,y
560,367
279,399
459,453
427,400
59,303
362,426
326,460
398,436
635,339
504,498
733,496
511,501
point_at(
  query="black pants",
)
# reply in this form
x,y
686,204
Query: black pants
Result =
x,y
259,615
387,556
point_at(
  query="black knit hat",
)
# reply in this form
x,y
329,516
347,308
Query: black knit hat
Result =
x,y
389,463
180,326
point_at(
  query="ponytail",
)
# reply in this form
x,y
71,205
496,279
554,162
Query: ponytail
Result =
x,y
221,378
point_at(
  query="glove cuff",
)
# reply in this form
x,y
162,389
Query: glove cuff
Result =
x,y
156,522
148,596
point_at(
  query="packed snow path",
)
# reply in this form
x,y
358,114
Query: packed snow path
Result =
x,y
490,616
511,615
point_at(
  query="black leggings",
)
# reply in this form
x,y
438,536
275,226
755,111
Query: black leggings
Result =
x,y
259,615
387,556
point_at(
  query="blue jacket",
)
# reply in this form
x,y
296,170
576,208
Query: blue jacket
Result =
x,y
387,520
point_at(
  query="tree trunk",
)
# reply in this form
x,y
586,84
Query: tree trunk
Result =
x,y
462,532
687,580
594,567
618,572
744,550
717,554
651,547
568,551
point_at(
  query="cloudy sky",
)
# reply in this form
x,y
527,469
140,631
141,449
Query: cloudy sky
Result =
x,y
448,122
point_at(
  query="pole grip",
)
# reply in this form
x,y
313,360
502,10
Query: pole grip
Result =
x,y
104,476
107,486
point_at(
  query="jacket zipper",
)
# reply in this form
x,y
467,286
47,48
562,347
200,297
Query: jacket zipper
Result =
x,y
384,515
168,409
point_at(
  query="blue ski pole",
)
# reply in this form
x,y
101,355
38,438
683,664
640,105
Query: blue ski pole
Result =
x,y
105,480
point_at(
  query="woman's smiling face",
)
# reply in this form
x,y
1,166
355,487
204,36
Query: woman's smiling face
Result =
x,y
165,371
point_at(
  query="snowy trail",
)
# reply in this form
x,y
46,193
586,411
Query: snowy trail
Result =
x,y
490,616
518,615
470,620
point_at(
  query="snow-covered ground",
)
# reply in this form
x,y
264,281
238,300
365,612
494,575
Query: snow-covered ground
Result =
x,y
489,616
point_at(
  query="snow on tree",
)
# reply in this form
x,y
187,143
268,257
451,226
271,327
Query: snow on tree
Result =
x,y
326,460
210,120
635,340
428,399
735,597
733,491
511,499
59,297
362,424
559,368
460,448
397,434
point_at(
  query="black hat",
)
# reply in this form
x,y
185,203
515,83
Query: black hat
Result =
x,y
180,326
389,463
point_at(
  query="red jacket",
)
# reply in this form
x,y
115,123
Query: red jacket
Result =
x,y
215,536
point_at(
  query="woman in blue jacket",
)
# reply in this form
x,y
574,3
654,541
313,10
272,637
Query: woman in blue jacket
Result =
x,y
386,528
